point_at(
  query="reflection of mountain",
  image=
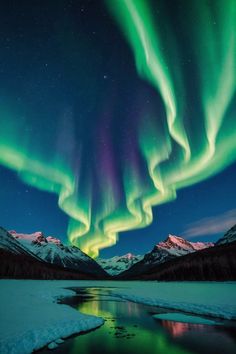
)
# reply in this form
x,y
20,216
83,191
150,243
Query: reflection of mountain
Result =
x,y
177,329
128,328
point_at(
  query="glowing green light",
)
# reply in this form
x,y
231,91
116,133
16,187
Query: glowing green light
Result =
x,y
185,148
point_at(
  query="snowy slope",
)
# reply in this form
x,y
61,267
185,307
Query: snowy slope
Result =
x,y
31,317
8,243
52,250
118,264
172,247
230,236
204,298
180,244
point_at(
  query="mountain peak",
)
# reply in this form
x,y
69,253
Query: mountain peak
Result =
x,y
49,249
128,256
171,236
167,250
178,243
35,237
118,264
53,239
173,241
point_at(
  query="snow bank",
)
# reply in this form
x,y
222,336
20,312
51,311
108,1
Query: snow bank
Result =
x,y
217,299
31,318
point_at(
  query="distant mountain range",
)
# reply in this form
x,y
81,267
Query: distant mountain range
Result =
x,y
44,251
37,256
52,250
216,263
118,264
178,259
171,248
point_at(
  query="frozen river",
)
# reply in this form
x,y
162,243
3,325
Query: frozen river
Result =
x,y
132,328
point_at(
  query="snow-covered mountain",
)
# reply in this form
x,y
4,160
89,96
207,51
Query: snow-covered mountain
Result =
x,y
8,243
230,236
50,250
118,264
179,246
172,247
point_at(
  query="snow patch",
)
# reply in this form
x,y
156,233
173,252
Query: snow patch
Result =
x,y
215,299
31,318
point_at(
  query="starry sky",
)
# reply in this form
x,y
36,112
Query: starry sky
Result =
x,y
118,121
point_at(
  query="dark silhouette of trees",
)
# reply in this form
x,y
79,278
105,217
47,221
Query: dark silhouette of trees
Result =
x,y
26,267
215,263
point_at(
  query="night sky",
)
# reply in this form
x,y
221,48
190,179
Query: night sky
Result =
x,y
118,117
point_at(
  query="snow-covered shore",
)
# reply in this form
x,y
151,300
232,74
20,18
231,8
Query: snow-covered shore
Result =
x,y
31,318
217,299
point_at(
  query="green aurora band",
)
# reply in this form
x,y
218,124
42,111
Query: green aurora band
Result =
x,y
197,140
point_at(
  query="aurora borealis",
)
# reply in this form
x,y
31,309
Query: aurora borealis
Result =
x,y
116,106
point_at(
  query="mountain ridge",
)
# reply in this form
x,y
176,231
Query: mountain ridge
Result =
x,y
229,236
160,263
117,264
172,247
50,250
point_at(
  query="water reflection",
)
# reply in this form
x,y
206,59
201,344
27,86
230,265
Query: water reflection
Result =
x,y
177,329
130,328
